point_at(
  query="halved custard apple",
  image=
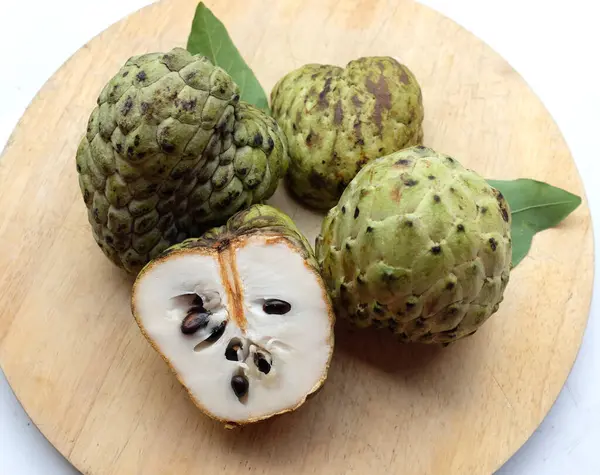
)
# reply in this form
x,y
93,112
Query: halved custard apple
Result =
x,y
241,315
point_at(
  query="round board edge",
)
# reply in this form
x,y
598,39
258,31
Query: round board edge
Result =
x,y
157,5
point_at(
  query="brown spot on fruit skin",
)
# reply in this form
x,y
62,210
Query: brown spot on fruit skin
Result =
x,y
403,162
323,102
338,115
127,106
188,105
383,98
396,194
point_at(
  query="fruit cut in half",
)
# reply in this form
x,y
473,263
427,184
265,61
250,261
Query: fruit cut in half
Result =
x,y
241,315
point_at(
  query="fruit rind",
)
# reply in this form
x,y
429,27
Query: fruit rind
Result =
x,y
170,151
418,244
338,119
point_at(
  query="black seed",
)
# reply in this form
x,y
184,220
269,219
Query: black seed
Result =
x,y
460,228
231,352
348,246
483,209
270,144
257,142
343,210
410,305
194,322
119,148
369,229
436,198
436,249
136,140
408,223
125,73
276,307
217,332
450,159
504,214
403,161
356,213
449,285
141,76
359,279
493,243
197,302
261,363
410,182
452,190
431,177
240,385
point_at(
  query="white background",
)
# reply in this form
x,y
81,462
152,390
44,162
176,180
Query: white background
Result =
x,y
553,44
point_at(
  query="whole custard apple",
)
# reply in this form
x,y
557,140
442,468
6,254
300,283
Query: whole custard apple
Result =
x,y
170,151
336,120
417,244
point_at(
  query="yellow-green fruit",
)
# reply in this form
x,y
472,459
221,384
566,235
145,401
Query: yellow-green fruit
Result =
x,y
338,119
418,244
170,151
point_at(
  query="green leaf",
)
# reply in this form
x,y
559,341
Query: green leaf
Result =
x,y
209,38
535,206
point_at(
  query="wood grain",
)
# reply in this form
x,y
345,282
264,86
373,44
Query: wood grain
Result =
x,y
106,400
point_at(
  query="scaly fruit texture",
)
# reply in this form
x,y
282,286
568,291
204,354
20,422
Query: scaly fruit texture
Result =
x,y
241,315
417,244
336,120
169,152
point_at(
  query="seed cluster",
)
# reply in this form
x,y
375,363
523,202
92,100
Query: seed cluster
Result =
x,y
198,318
242,349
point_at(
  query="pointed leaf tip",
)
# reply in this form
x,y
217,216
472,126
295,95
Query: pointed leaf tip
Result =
x,y
210,38
535,206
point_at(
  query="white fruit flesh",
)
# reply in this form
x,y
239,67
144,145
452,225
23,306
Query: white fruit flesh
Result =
x,y
298,344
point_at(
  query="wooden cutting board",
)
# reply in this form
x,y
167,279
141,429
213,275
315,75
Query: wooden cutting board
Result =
x,y
107,401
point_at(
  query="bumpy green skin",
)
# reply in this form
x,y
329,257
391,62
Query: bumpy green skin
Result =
x,y
418,244
258,219
169,152
337,120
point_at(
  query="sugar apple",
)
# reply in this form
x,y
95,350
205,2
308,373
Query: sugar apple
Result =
x,y
171,151
336,120
417,244
241,315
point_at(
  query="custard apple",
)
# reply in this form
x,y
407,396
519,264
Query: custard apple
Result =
x,y
417,244
336,120
241,315
171,151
